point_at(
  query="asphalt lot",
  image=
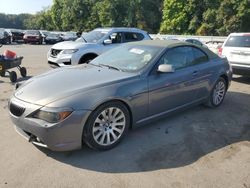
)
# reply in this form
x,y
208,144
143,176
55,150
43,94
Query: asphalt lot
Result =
x,y
200,147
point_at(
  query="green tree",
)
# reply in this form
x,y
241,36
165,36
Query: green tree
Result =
x,y
205,17
56,13
233,16
175,17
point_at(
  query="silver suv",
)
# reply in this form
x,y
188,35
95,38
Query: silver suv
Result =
x,y
237,50
92,44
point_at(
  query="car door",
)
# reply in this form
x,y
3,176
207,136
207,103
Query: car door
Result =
x,y
204,71
116,39
170,91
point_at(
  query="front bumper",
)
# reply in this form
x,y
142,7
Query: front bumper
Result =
x,y
3,41
32,40
62,60
240,69
51,41
62,136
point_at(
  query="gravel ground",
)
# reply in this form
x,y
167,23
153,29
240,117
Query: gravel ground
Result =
x,y
200,147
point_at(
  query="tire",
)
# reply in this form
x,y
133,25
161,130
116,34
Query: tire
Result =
x,y
87,59
13,76
218,93
23,72
106,126
2,73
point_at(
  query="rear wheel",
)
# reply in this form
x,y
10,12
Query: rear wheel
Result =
x,y
106,126
218,93
13,76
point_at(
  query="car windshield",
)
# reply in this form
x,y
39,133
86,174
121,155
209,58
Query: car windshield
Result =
x,y
128,58
94,36
19,32
238,41
32,32
53,35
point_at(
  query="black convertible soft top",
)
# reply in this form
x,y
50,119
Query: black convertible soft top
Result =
x,y
171,44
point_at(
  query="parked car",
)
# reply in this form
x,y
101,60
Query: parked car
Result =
x,y
44,34
214,45
32,36
170,38
69,36
4,37
17,35
237,50
97,103
196,42
53,38
92,44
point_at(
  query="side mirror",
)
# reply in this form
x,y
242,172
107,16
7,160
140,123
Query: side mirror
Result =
x,y
107,41
165,68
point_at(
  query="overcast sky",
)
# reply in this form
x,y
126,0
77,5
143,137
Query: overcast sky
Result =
x,y
23,6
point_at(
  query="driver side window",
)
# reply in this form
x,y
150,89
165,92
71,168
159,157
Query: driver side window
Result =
x,y
116,38
177,57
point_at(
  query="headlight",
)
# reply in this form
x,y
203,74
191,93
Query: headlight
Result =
x,y
70,51
52,115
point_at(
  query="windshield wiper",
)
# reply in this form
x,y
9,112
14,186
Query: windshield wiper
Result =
x,y
97,65
110,67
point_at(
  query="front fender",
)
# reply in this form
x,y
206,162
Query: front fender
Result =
x,y
133,93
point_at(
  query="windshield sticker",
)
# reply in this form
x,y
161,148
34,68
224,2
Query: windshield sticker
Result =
x,y
137,51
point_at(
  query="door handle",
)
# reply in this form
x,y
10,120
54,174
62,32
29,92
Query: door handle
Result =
x,y
195,73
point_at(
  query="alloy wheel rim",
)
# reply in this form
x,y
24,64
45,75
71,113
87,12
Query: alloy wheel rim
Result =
x,y
219,92
109,126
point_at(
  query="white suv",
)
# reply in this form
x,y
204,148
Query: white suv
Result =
x,y
92,44
237,50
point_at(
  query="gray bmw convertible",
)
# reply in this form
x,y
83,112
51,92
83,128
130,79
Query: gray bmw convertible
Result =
x,y
97,103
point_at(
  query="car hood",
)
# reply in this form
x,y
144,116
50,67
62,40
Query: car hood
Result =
x,y
69,45
63,82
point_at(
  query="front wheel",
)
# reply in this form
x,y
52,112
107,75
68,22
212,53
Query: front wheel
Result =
x,y
106,126
86,59
218,93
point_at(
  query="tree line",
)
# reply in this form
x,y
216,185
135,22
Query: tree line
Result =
x,y
201,17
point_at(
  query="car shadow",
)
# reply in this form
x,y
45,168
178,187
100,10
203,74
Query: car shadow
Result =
x,y
20,79
171,142
242,79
